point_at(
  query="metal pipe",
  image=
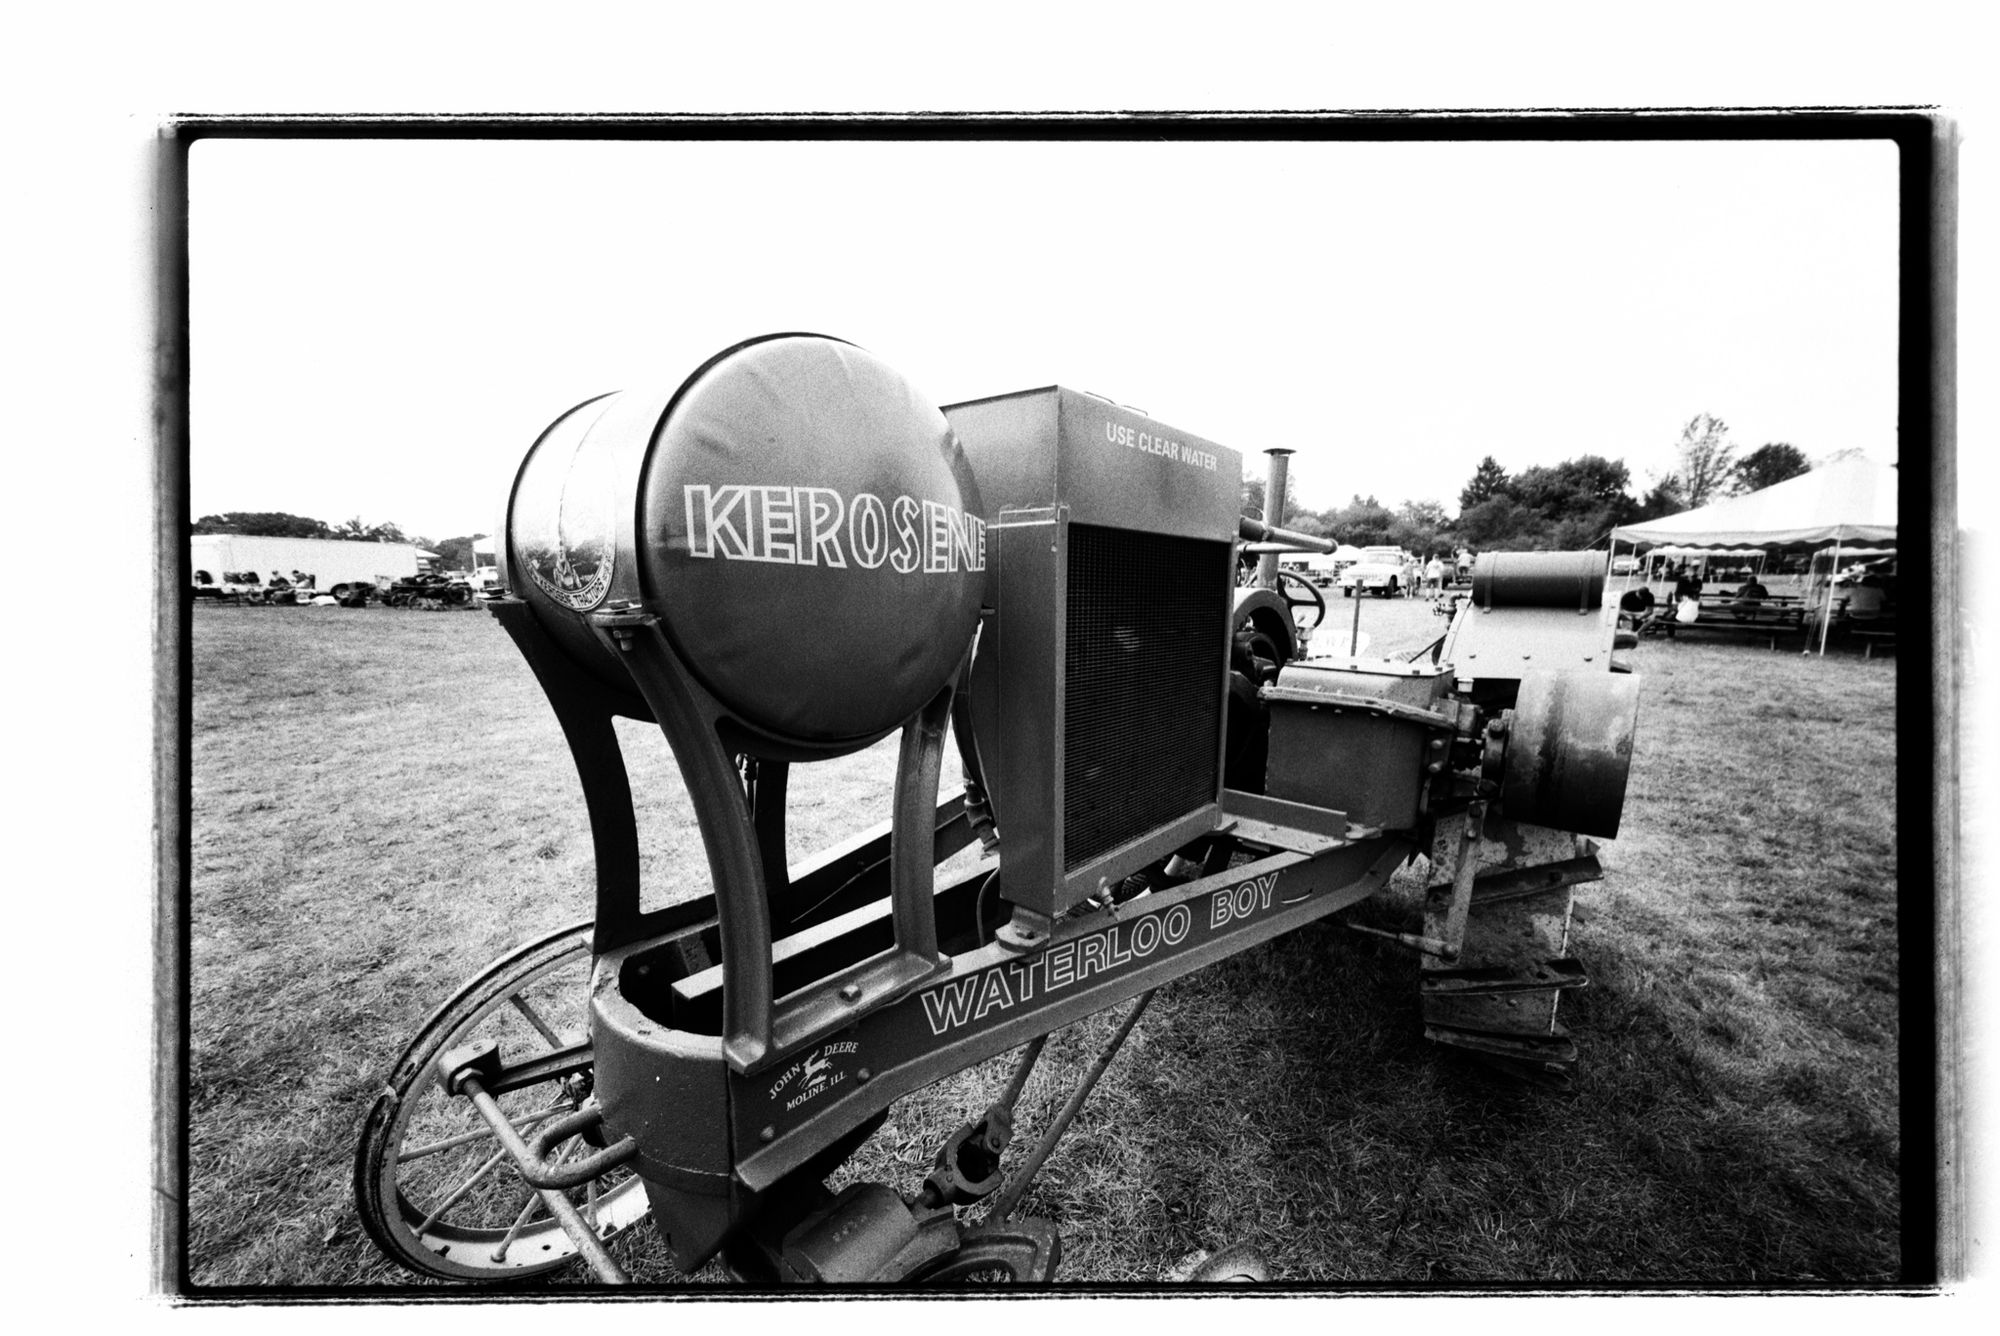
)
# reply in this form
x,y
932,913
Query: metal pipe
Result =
x,y
1255,531
531,1159
584,1237
1015,1083
1274,510
549,1182
1430,946
1010,1196
1826,613
978,807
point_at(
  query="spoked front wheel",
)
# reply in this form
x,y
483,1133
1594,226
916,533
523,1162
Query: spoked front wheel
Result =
x,y
435,1189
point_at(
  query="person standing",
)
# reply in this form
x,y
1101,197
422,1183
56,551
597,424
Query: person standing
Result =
x,y
1434,576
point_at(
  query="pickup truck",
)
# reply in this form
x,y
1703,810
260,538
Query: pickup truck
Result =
x,y
1380,571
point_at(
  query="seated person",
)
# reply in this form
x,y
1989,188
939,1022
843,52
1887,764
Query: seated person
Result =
x,y
1748,597
1637,606
1687,586
1865,600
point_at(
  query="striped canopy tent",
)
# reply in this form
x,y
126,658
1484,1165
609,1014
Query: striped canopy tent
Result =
x,y
1707,552
1849,504
1681,552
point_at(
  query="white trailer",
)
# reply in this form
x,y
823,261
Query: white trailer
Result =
x,y
1318,567
332,563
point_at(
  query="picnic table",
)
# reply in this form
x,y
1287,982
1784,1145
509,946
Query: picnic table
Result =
x,y
1778,617
1771,618
1874,635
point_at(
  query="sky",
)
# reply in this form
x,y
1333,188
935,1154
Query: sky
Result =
x,y
381,328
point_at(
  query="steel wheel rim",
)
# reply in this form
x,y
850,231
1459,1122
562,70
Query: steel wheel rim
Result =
x,y
448,1246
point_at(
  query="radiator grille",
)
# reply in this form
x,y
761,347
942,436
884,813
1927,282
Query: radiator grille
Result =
x,y
1145,654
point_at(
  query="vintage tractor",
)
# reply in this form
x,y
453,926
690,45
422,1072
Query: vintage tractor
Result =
x,y
428,592
791,555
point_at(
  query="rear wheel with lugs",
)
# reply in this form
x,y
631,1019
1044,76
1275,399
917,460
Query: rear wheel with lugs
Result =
x,y
1009,1252
1238,1264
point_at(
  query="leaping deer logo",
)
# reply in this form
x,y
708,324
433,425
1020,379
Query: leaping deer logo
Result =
x,y
815,1069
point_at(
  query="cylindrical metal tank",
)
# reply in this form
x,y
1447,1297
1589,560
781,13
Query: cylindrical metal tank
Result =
x,y
802,520
1540,579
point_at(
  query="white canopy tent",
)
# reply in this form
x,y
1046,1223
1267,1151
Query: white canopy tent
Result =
x,y
1848,503
485,562
1853,501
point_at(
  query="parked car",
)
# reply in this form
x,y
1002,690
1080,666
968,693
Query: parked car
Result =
x,y
1382,571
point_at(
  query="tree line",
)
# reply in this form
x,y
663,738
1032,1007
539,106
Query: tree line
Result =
x,y
1558,507
453,553
1553,507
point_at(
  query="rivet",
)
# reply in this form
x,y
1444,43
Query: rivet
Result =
x,y
768,1134
850,992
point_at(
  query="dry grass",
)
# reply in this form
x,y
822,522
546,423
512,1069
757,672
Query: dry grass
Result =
x,y
382,802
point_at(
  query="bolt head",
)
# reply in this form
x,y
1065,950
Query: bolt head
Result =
x,y
850,992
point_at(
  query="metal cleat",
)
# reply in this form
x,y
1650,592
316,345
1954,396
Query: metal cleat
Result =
x,y
1507,909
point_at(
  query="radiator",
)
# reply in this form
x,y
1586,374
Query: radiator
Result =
x,y
1101,675
1142,721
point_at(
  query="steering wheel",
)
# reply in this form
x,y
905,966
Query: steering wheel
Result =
x,y
1313,599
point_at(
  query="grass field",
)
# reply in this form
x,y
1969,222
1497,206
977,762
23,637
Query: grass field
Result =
x,y
382,802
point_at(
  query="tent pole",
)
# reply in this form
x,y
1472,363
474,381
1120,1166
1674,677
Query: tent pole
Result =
x,y
1826,617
